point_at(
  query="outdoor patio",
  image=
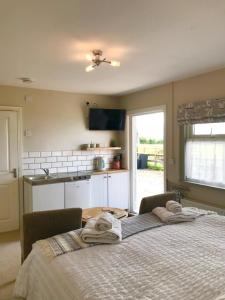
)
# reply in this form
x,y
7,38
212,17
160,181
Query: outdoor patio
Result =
x,y
149,182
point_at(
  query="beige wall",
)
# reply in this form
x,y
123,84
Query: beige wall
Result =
x,y
58,120
207,86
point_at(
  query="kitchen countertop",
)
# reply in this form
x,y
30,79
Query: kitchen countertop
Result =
x,y
66,177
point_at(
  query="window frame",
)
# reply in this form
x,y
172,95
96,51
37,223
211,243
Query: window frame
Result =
x,y
187,134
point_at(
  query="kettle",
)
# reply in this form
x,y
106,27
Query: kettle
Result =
x,y
99,163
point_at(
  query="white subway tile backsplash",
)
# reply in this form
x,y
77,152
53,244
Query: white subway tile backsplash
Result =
x,y
34,154
34,166
81,168
72,169
38,171
90,157
82,157
28,160
67,153
62,158
86,163
51,159
72,158
28,172
56,153
46,154
89,168
62,161
46,165
67,164
57,165
52,170
62,170
39,160
76,152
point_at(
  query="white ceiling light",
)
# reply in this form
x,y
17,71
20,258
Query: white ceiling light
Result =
x,y
97,59
26,79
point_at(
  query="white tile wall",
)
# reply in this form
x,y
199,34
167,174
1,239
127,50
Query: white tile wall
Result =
x,y
62,161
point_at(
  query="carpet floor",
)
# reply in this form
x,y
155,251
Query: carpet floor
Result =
x,y
10,259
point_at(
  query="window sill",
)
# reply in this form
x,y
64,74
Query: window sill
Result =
x,y
204,185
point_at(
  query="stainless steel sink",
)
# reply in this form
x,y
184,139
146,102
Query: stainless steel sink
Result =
x,y
41,177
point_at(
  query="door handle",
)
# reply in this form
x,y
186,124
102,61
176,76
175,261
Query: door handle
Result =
x,y
14,172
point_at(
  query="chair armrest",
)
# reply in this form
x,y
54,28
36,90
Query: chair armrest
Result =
x,y
44,224
149,203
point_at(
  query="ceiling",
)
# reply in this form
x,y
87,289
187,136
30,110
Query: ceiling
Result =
x,y
156,41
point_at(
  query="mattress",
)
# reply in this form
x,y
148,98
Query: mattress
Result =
x,y
174,262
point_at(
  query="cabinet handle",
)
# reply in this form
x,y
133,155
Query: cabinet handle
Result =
x,y
109,176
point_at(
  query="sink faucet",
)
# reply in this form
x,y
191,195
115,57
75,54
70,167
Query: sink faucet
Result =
x,y
46,171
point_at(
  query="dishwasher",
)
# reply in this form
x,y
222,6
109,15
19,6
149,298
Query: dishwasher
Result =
x,y
78,193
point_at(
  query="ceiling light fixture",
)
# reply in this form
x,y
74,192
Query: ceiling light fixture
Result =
x,y
26,79
97,59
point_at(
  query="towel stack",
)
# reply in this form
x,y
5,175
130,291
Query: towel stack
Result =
x,y
104,230
172,213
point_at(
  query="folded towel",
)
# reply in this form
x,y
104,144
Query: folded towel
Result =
x,y
89,234
173,206
104,222
170,218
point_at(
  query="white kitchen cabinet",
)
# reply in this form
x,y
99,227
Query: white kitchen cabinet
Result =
x,y
99,193
118,190
43,197
110,189
78,194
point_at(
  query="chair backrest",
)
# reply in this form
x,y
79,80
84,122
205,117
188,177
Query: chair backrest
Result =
x,y
44,224
149,203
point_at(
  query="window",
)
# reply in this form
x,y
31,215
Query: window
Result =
x,y
205,154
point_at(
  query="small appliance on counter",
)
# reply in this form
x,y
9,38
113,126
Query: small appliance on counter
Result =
x,y
99,163
116,164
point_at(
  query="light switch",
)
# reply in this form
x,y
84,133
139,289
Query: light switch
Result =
x,y
28,99
27,132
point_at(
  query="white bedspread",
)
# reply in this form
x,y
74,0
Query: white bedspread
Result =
x,y
175,262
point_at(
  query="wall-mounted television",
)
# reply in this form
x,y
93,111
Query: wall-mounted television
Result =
x,y
106,119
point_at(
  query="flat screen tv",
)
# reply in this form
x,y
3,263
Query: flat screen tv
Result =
x,y
106,119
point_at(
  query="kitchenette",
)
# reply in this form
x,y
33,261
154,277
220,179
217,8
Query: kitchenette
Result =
x,y
85,189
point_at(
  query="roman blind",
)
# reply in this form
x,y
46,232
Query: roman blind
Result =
x,y
209,111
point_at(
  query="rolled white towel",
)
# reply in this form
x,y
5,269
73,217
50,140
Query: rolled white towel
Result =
x,y
170,218
89,234
173,206
162,213
181,217
104,222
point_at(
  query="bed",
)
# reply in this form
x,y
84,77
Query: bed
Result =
x,y
185,261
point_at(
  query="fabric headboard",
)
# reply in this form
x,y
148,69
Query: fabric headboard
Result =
x,y
44,224
149,203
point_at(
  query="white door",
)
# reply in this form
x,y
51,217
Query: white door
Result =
x,y
147,154
118,190
78,194
9,191
99,190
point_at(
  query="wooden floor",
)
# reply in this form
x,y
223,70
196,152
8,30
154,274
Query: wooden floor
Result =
x,y
10,254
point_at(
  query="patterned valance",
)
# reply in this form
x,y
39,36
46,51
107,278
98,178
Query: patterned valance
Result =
x,y
209,111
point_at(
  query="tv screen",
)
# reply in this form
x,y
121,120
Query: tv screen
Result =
x,y
106,119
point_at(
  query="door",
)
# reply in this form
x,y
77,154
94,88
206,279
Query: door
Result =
x,y
78,194
9,188
99,190
48,196
118,190
147,146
